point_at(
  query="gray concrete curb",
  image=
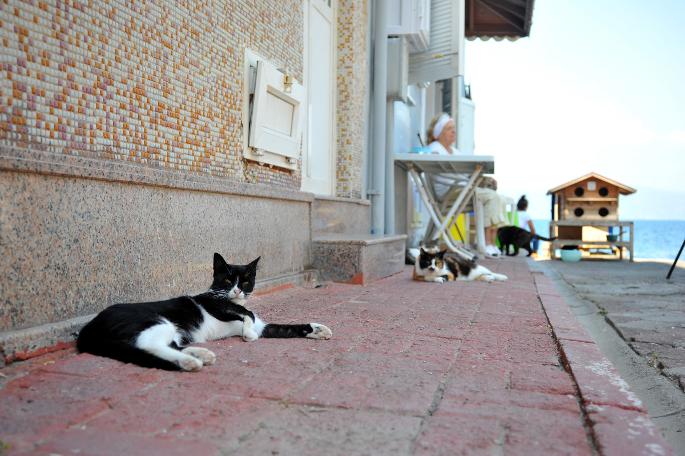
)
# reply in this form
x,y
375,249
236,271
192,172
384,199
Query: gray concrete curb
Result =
x,y
35,341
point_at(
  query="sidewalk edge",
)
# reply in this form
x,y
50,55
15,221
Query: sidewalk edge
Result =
x,y
618,421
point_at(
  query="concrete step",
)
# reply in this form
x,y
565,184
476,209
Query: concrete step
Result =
x,y
357,259
331,215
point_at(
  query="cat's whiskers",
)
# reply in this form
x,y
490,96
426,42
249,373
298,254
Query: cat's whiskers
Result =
x,y
239,301
219,293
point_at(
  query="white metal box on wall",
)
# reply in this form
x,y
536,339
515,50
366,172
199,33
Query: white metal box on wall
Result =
x,y
465,129
411,19
398,69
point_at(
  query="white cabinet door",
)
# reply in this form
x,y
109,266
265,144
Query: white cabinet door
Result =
x,y
319,156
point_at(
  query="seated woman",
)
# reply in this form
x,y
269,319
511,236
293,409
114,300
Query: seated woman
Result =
x,y
441,134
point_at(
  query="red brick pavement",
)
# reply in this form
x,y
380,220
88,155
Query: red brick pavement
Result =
x,y
412,368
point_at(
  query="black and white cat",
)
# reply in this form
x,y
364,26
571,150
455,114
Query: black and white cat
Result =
x,y
157,334
433,265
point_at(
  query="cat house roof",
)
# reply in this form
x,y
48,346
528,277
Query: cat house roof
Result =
x,y
623,189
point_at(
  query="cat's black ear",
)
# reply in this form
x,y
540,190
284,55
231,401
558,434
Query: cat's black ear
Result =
x,y
219,263
253,264
423,252
442,253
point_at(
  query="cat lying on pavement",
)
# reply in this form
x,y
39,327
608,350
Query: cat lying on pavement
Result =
x,y
157,334
434,265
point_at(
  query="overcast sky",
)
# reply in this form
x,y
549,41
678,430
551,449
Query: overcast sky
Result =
x,y
598,86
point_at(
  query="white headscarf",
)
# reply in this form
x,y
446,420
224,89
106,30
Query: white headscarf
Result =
x,y
439,125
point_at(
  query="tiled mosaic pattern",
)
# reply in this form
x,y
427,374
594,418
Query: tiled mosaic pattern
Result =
x,y
153,82
352,96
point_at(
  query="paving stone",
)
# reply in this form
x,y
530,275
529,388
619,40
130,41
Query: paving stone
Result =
x,y
520,431
220,418
498,401
506,321
106,442
312,430
598,380
361,380
461,435
621,432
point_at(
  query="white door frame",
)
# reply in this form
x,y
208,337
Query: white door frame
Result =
x,y
328,9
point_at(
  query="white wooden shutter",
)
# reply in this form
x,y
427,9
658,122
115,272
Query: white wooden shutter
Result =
x,y
276,124
444,57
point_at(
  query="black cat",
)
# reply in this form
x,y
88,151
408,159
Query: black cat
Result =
x,y
518,237
156,334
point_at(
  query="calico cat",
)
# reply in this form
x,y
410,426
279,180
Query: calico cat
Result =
x,y
157,334
434,265
518,237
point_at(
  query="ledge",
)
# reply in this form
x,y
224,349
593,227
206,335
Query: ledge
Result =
x,y
590,222
338,199
58,164
360,239
580,242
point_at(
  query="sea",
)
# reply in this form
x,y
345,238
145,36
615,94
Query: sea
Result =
x,y
653,238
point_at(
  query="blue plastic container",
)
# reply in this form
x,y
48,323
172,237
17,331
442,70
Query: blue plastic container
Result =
x,y
571,256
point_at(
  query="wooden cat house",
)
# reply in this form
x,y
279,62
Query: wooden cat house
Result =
x,y
589,201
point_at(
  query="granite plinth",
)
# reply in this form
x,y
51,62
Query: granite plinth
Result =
x,y
72,246
358,259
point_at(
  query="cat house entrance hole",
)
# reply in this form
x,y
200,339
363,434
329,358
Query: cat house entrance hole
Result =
x,y
579,191
603,191
603,211
578,211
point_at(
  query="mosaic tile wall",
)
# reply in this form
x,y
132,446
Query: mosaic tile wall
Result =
x,y
153,82
352,96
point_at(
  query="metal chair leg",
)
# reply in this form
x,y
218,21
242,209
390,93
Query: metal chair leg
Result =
x,y
676,260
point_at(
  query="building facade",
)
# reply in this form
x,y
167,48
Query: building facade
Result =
x,y
123,164
138,138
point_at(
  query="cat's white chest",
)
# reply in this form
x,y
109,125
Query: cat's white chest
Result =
x,y
212,328
428,274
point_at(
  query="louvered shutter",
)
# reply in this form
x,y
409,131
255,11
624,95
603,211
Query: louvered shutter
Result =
x,y
443,58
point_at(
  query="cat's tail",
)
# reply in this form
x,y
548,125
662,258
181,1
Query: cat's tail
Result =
x,y
544,238
309,330
124,352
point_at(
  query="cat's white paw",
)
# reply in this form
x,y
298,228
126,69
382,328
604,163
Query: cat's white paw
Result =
x,y
319,331
249,335
190,363
439,280
206,356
